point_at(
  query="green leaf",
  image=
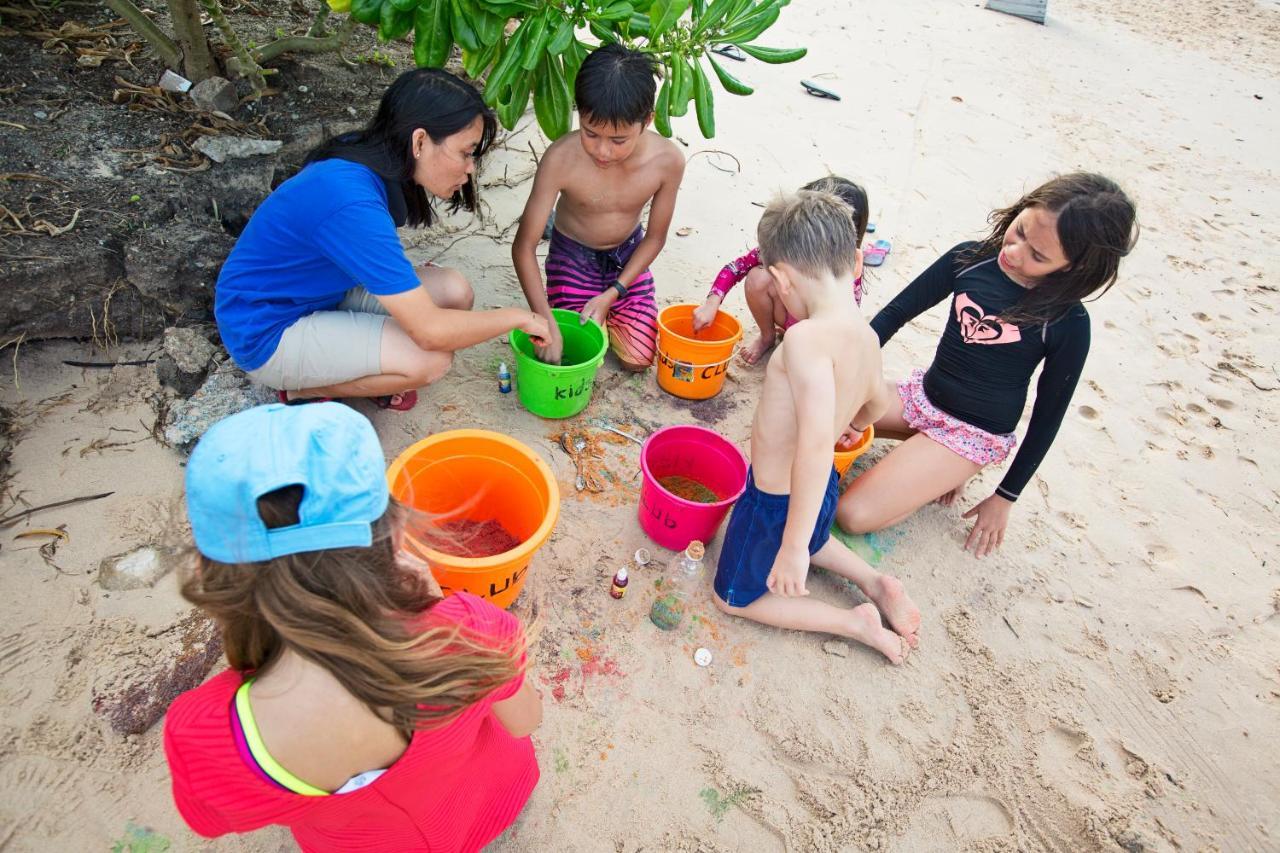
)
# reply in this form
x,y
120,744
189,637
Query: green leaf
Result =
x,y
662,110
404,5
560,41
750,27
511,109
393,23
476,62
602,32
617,11
731,84
774,55
431,36
507,67
488,25
367,11
663,15
699,9
460,23
679,87
714,14
551,102
531,50
704,101
639,25
509,8
573,59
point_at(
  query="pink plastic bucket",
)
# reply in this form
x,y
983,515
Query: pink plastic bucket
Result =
x,y
699,454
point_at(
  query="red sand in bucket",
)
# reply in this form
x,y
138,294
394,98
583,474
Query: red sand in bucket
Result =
x,y
688,489
463,537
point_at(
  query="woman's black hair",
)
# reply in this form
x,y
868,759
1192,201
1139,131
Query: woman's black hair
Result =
x,y
1097,227
428,98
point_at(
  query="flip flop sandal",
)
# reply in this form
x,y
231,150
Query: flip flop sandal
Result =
x,y
874,255
731,51
817,91
402,402
283,397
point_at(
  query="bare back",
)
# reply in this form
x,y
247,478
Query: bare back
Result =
x,y
836,378
599,207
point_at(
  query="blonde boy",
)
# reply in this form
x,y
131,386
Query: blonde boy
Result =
x,y
824,377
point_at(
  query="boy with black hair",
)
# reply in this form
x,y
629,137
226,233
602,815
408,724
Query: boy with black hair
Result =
x,y
602,175
824,377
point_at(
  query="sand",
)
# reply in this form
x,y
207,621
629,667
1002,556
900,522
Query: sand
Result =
x,y
1110,679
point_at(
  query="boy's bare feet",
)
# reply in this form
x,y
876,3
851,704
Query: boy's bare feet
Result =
x,y
866,628
757,348
948,498
898,608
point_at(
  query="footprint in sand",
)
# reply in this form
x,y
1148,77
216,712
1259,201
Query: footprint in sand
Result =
x,y
1089,413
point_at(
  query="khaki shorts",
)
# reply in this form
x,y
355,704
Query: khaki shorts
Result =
x,y
328,347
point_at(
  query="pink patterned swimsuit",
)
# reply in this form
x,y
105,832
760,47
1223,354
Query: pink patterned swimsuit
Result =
x,y
736,270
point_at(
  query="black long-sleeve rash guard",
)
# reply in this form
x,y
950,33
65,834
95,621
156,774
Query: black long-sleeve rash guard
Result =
x,y
982,368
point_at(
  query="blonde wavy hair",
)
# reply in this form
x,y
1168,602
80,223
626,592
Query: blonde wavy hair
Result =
x,y
361,613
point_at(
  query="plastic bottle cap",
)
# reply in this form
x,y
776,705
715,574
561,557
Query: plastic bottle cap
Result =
x,y
696,550
702,657
643,557
621,575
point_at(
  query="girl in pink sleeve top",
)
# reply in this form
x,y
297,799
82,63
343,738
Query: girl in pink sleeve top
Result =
x,y
762,296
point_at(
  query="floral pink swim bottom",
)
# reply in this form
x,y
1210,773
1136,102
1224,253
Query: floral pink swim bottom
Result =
x,y
964,439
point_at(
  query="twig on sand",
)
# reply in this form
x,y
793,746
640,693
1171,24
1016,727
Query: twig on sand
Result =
x,y
736,161
10,520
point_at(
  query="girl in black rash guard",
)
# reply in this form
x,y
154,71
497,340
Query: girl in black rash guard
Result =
x,y
1015,301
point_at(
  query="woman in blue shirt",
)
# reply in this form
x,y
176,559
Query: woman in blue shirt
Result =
x,y
317,298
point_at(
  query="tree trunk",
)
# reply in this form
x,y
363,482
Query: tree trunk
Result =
x,y
197,58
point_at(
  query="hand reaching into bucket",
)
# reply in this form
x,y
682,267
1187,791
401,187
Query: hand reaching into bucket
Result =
x,y
597,307
705,314
549,345
849,437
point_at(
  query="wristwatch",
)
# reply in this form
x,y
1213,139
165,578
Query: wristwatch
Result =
x,y
621,288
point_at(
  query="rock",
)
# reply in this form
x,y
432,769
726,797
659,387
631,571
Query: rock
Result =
x,y
136,569
157,672
186,360
225,392
220,149
175,266
215,94
1135,841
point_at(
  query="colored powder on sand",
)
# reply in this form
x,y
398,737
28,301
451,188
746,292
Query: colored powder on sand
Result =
x,y
463,537
690,490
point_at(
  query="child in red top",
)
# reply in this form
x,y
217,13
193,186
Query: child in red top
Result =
x,y
762,292
361,709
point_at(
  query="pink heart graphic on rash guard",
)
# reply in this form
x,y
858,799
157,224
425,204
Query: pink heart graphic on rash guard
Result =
x,y
978,327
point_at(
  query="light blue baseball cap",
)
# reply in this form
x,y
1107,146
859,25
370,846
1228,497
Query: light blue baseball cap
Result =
x,y
328,449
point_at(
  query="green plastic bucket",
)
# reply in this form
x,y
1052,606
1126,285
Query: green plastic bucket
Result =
x,y
560,390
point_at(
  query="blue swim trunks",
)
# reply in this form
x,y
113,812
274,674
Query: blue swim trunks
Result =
x,y
754,536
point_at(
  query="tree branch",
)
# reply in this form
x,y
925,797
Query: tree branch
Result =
x,y
164,46
318,29
248,67
306,44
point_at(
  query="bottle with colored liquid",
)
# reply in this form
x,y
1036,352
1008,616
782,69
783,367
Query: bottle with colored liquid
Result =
x,y
504,378
619,586
683,577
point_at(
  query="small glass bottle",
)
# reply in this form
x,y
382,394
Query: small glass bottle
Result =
x,y
683,576
619,585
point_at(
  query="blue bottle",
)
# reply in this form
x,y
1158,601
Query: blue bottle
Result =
x,y
504,378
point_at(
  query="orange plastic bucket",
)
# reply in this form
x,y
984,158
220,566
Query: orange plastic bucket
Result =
x,y
478,475
692,364
844,458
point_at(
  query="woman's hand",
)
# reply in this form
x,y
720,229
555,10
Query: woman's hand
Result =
x,y
597,307
991,516
705,314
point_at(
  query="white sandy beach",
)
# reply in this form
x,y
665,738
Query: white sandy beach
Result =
x,y
1110,679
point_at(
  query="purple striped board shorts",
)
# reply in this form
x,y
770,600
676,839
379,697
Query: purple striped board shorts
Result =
x,y
576,273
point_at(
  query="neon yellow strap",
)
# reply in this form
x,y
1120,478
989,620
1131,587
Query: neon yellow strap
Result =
x,y
259,749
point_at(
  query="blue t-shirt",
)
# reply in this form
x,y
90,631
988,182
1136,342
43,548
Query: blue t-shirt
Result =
x,y
322,232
